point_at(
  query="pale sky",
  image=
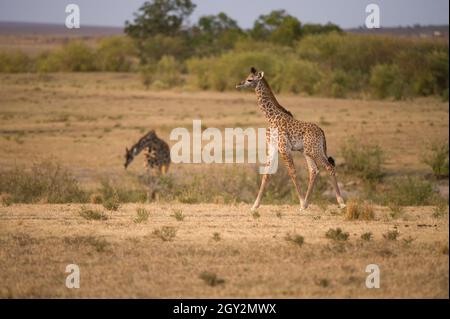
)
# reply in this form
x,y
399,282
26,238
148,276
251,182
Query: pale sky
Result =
x,y
345,13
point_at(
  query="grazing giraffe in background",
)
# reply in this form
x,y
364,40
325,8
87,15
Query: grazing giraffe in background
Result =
x,y
291,135
157,152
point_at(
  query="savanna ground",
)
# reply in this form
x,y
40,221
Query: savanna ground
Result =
x,y
184,247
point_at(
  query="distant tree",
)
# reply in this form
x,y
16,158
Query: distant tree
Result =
x,y
163,19
278,27
215,33
159,17
311,28
217,24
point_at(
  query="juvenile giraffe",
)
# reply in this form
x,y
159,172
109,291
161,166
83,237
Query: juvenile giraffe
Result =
x,y
157,152
290,135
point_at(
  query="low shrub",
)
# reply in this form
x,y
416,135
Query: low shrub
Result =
x,y
46,182
337,234
362,159
358,210
409,191
437,158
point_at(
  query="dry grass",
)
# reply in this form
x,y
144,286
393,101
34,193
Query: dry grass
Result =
x,y
86,120
391,235
337,234
211,279
91,214
357,210
165,233
119,258
178,215
141,215
295,239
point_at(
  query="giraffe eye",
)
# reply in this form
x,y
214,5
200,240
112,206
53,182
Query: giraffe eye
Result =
x,y
249,80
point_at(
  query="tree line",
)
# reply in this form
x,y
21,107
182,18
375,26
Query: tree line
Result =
x,y
214,52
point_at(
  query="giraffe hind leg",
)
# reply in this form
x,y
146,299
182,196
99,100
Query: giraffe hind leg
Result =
x,y
323,160
287,157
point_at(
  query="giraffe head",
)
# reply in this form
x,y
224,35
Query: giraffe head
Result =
x,y
252,79
145,141
129,156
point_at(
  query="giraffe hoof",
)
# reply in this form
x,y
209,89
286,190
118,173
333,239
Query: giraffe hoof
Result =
x,y
342,205
253,209
303,207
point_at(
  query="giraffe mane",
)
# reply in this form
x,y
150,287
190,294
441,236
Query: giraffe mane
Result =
x,y
281,108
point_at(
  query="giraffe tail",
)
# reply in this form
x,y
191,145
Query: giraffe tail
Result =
x,y
331,161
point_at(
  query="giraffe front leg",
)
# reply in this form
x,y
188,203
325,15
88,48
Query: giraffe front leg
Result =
x,y
287,157
313,172
264,180
268,169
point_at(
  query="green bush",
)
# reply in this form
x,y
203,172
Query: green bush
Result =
x,y
163,75
409,191
49,62
437,62
115,54
349,52
386,80
46,182
15,62
362,159
334,64
154,48
77,56
112,193
224,72
300,76
438,159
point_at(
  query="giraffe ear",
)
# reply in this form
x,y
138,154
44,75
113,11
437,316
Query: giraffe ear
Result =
x,y
261,74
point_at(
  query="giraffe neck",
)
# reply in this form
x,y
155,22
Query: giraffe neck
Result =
x,y
144,142
267,101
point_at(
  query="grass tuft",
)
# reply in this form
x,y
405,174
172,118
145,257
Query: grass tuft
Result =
x,y
100,245
165,233
367,236
216,237
211,279
357,210
91,214
295,239
178,215
337,234
391,235
141,215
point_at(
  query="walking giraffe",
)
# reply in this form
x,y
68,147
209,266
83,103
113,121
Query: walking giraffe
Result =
x,y
290,135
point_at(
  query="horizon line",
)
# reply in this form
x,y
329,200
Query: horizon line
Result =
x,y
121,27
